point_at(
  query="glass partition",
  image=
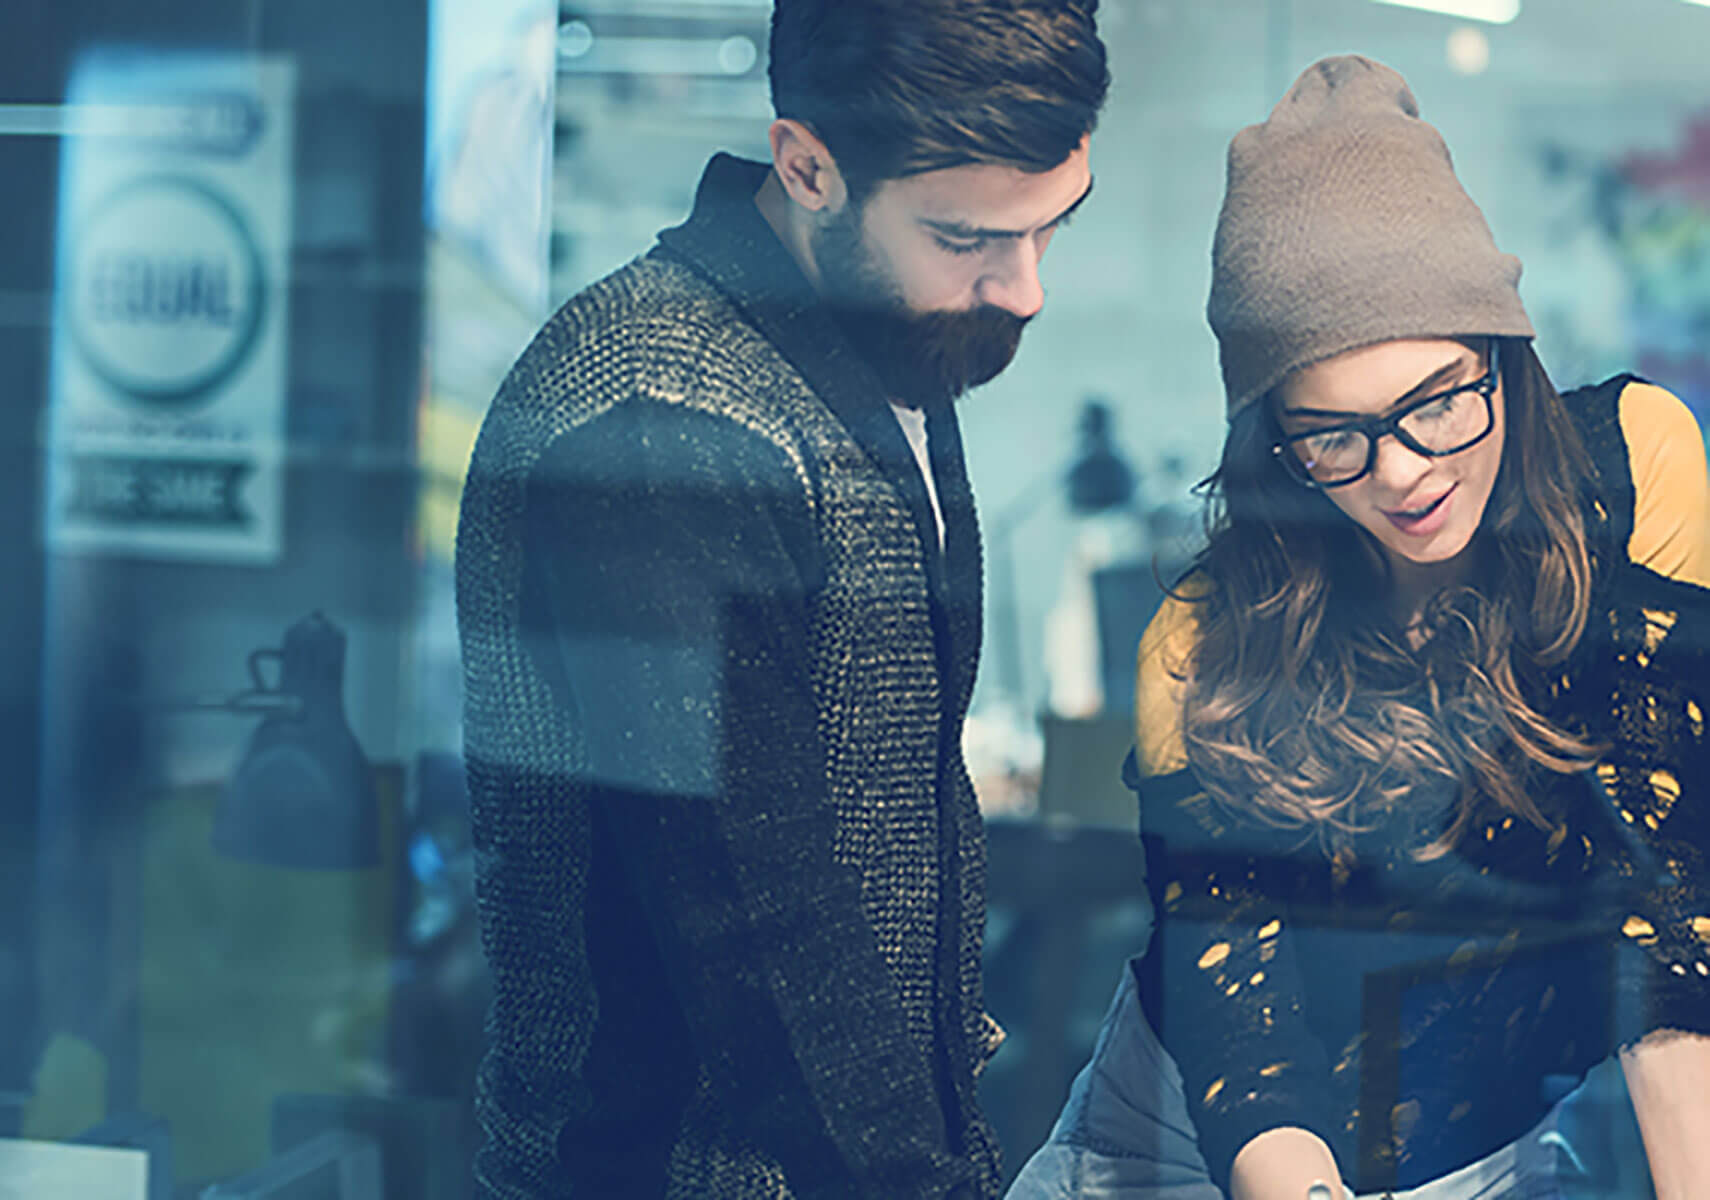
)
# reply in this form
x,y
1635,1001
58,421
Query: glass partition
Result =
x,y
268,264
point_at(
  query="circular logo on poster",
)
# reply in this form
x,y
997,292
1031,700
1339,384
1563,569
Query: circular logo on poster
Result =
x,y
166,290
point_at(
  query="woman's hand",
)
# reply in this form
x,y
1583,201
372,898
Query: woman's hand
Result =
x,y
1283,1164
1668,1077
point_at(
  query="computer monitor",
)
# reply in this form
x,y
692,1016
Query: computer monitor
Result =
x,y
1125,598
337,1165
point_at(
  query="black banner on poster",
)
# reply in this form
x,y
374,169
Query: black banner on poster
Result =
x,y
178,492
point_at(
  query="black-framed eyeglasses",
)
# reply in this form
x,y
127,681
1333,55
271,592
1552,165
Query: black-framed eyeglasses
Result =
x,y
1436,426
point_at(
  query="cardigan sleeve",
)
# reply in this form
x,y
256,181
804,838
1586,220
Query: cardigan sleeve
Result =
x,y
676,554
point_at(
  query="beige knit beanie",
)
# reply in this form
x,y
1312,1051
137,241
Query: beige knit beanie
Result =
x,y
1343,225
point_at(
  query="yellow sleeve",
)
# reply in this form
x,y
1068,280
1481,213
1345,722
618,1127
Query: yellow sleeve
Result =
x,y
1671,486
1165,654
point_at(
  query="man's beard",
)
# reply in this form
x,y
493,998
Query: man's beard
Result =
x,y
925,359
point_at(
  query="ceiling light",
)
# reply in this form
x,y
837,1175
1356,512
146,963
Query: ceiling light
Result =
x,y
1497,12
1469,50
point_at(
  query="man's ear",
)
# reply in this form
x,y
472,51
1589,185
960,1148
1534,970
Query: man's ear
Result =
x,y
806,168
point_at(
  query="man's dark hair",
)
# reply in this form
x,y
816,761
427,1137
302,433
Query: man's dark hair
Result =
x,y
899,87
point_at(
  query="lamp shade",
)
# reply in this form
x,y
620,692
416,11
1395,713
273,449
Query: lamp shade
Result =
x,y
303,795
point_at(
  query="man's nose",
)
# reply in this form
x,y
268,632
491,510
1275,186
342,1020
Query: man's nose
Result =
x,y
1013,283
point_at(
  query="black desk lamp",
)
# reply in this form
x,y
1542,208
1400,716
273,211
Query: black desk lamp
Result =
x,y
303,794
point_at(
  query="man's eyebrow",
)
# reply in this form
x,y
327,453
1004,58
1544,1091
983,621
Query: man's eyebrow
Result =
x,y
960,229
1425,386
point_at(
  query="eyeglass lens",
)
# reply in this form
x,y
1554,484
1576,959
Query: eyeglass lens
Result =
x,y
1449,423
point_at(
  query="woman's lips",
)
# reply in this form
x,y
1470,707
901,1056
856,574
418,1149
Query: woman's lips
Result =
x,y
1425,520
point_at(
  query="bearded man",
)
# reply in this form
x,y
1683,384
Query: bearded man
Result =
x,y
719,594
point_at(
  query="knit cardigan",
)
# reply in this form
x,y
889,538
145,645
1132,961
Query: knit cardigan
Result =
x,y
729,861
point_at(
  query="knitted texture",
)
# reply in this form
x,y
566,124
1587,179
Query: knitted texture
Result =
x,y
862,947
1342,226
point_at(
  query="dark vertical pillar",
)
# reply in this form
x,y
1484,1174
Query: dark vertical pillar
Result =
x,y
33,53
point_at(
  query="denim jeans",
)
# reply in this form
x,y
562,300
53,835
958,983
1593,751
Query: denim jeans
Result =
x,y
1125,1134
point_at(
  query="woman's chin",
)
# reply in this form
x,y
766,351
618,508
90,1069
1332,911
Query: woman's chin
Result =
x,y
1438,552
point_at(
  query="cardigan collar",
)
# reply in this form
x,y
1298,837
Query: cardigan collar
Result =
x,y
727,240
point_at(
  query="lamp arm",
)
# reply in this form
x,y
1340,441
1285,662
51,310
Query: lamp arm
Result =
x,y
250,702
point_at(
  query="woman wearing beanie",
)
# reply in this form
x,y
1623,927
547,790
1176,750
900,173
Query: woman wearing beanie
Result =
x,y
1422,766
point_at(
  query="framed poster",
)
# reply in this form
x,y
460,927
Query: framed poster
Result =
x,y
167,415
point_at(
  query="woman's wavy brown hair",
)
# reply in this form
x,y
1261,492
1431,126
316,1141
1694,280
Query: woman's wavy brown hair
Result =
x,y
1305,703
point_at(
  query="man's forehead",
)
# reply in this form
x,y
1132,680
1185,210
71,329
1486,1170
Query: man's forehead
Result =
x,y
995,198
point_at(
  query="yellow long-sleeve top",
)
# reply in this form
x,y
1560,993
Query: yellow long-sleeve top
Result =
x,y
1417,1015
